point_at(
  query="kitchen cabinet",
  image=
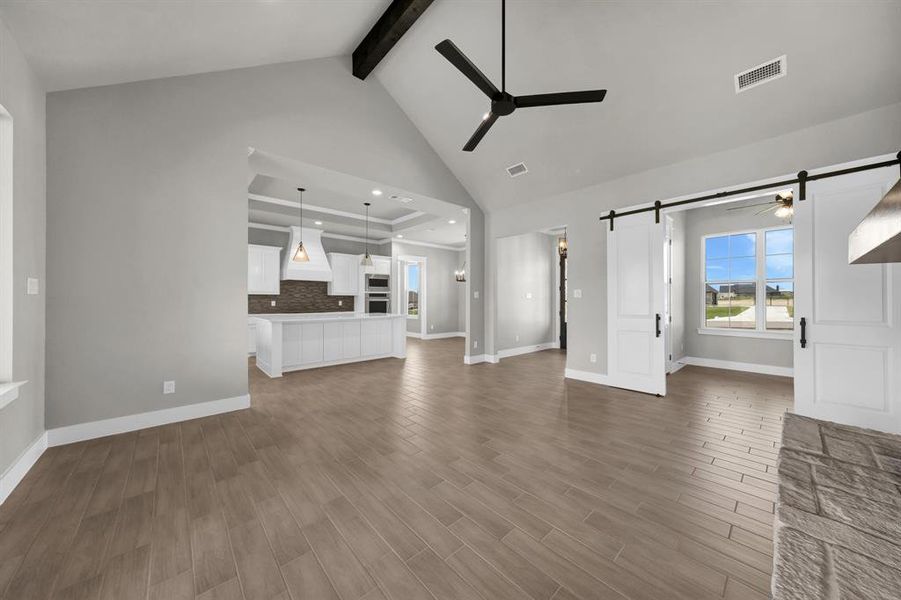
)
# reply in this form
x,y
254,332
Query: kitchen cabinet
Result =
x,y
263,269
306,341
381,265
345,274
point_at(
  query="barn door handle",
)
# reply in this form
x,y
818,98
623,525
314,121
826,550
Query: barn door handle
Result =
x,y
803,332
658,324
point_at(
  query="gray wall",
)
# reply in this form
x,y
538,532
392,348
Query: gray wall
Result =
x,y
526,266
23,97
147,220
711,220
867,134
443,294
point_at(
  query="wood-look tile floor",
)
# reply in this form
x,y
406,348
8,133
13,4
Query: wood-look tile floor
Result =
x,y
415,479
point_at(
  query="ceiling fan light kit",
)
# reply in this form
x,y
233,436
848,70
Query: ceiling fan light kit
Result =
x,y
502,102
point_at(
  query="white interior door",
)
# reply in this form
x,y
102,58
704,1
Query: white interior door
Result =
x,y
636,358
850,369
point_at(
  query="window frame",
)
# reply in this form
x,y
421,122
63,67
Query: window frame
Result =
x,y
760,330
406,301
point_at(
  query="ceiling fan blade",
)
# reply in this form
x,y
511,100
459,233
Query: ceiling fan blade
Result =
x,y
449,50
484,126
749,206
559,98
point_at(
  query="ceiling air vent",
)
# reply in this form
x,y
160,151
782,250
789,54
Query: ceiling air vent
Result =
x,y
768,71
517,170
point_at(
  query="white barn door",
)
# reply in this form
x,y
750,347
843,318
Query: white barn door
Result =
x,y
636,354
849,368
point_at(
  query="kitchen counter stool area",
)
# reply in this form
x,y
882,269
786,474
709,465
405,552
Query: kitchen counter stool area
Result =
x,y
305,341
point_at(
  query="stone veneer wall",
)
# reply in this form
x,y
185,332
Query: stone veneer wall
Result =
x,y
299,297
838,513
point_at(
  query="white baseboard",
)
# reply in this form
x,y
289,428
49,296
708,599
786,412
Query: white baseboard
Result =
x,y
475,359
17,471
676,366
716,363
96,429
527,349
599,378
414,334
441,336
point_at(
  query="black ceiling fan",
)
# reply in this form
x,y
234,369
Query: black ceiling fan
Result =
x,y
502,103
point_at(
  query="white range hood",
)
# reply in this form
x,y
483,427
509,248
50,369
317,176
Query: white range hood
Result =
x,y
317,268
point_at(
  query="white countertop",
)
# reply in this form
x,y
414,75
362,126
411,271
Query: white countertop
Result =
x,y
330,316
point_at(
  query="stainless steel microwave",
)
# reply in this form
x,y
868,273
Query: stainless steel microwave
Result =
x,y
376,282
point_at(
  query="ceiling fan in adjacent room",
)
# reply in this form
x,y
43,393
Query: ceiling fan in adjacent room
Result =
x,y
782,205
502,103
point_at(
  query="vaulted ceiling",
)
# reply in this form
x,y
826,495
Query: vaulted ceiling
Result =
x,y
668,68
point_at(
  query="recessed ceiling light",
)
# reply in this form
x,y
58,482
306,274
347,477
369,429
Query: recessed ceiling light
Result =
x,y
451,222
400,235
403,199
318,222
376,192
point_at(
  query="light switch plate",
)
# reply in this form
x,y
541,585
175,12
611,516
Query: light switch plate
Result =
x,y
475,294
32,286
577,293
168,387
593,357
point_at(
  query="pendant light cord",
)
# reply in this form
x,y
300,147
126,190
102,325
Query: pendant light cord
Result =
x,y
301,190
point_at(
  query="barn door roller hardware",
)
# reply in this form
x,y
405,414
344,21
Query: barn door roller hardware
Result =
x,y
801,179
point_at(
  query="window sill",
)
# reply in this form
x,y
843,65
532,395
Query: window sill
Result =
x,y
9,391
412,318
748,333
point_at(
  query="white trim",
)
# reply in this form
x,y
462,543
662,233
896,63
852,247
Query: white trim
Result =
x,y
404,218
96,429
319,209
715,363
675,367
9,392
474,359
598,378
444,335
414,334
427,244
527,349
351,238
747,333
19,469
7,287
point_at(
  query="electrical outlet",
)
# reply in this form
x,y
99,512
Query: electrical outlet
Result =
x,y
272,303
340,302
432,327
577,293
168,387
475,344
32,286
475,294
528,295
593,357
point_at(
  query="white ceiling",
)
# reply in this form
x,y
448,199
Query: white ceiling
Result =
x,y
100,42
668,68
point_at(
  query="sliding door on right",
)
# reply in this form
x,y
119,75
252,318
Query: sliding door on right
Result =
x,y
847,338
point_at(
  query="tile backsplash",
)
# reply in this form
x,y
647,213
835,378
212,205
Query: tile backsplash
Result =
x,y
299,297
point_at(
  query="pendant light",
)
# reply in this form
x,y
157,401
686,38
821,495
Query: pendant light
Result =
x,y
563,245
367,260
301,254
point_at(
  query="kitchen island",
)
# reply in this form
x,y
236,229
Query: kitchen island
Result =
x,y
291,342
